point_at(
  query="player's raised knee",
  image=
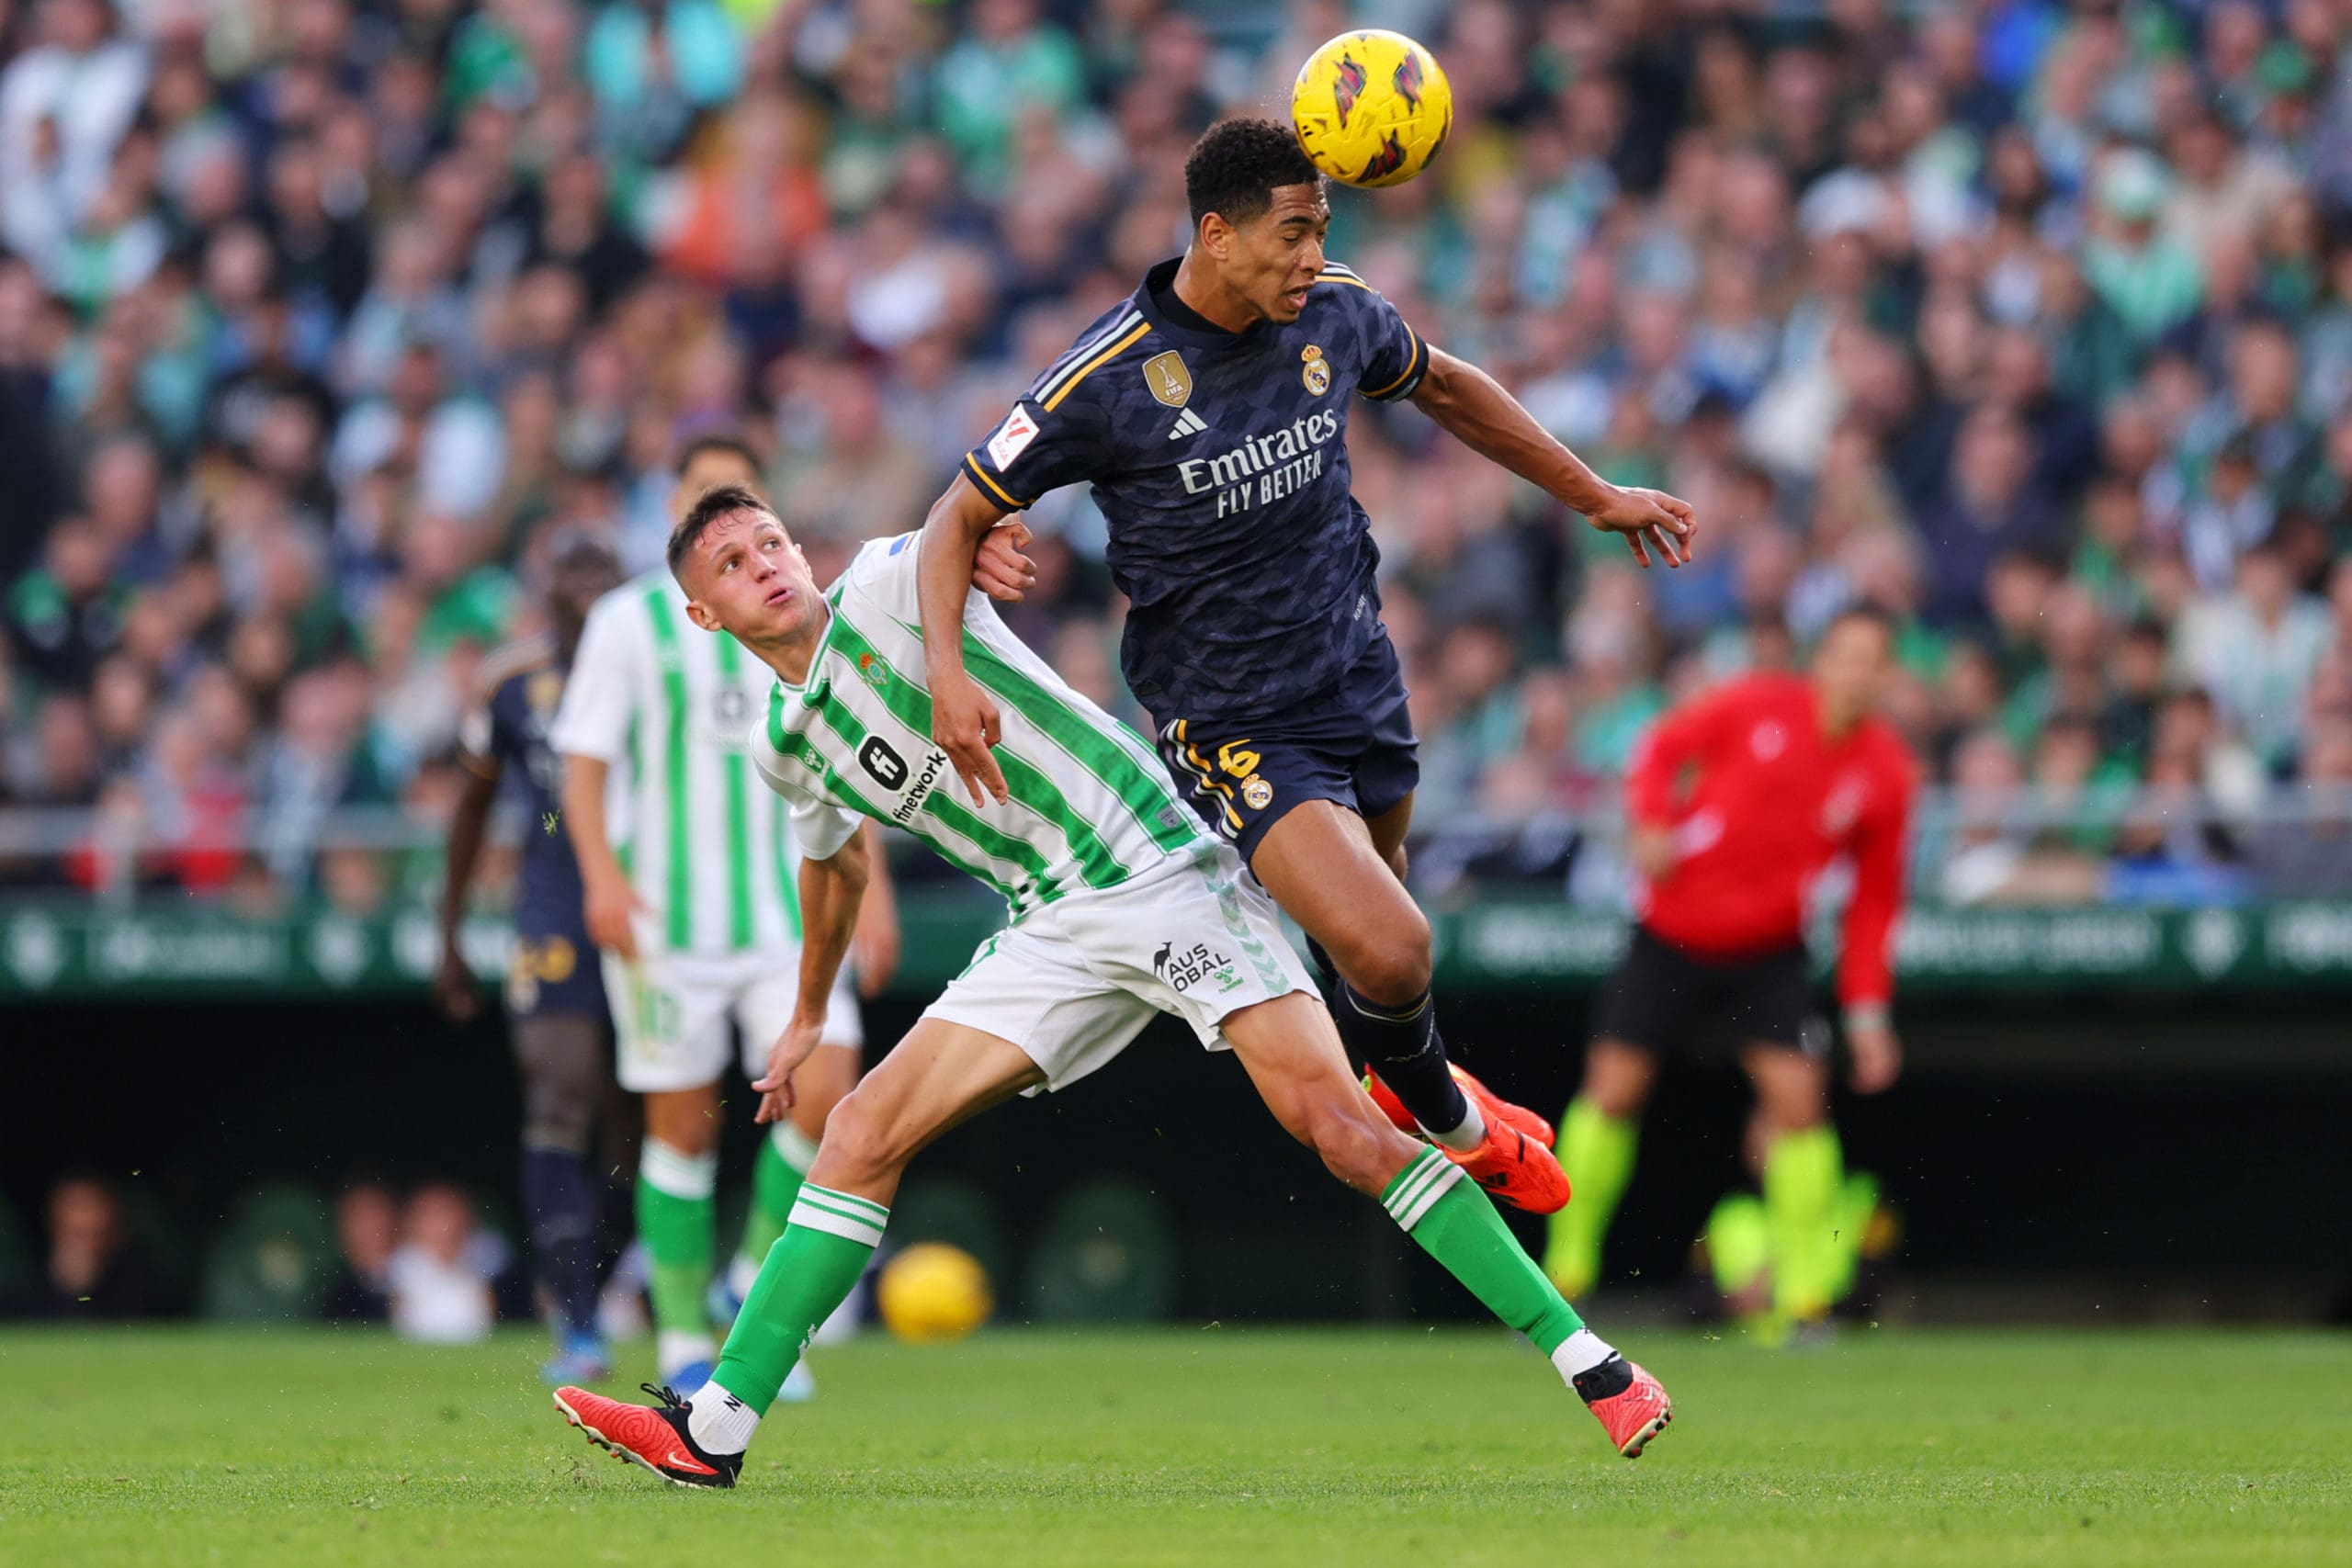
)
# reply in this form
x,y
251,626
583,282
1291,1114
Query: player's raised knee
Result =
x,y
858,1143
1391,965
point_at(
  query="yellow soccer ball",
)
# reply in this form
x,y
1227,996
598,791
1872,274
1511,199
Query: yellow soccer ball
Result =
x,y
1371,108
931,1294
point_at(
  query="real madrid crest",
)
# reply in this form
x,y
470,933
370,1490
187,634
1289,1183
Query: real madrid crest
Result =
x,y
1169,378
1256,793
544,690
1316,371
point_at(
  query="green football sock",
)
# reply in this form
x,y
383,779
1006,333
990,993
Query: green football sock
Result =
x,y
1739,1243
1597,1157
809,1271
1800,1180
675,1218
1455,1224
1857,1202
785,1156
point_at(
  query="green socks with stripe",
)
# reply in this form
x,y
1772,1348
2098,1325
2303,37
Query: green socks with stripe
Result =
x,y
809,1271
1597,1157
675,1220
1801,1175
785,1156
1455,1224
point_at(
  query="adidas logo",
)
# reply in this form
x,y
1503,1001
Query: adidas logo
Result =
x,y
1187,424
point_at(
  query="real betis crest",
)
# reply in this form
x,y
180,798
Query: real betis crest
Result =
x,y
872,671
1169,379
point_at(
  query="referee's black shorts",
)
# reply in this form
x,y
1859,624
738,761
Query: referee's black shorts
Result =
x,y
1667,1000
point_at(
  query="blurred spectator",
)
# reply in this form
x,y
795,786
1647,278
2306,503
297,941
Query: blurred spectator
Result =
x,y
93,1268
439,1279
2254,649
2310,856
366,1233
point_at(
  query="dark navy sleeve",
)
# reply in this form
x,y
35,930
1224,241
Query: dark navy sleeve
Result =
x,y
1039,447
1394,356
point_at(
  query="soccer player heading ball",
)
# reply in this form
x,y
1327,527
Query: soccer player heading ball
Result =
x,y
1122,906
1209,411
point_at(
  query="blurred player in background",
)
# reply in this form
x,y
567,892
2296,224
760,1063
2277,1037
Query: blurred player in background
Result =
x,y
555,1000
1737,799
690,888
1209,412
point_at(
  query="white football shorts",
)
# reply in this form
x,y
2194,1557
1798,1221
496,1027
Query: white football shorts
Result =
x,y
1077,979
671,1012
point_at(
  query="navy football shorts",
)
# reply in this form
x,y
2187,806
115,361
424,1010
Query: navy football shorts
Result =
x,y
1353,745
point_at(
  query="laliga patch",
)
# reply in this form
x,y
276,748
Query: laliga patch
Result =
x,y
1012,437
1256,793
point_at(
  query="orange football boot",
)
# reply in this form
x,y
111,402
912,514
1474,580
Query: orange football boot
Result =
x,y
658,1439
1634,1416
1492,1107
1516,1168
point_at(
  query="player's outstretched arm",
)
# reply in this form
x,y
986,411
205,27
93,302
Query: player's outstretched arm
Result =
x,y
607,899
1489,421
830,891
963,719
453,982
874,948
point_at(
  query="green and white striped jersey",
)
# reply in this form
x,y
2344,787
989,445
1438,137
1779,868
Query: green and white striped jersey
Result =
x,y
666,706
1091,807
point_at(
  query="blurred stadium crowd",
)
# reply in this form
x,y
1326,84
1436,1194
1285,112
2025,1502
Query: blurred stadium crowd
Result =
x,y
2027,321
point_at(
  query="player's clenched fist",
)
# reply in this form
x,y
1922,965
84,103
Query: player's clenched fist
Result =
x,y
1651,515
964,722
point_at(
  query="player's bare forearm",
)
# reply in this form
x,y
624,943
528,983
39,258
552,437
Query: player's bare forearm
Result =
x,y
875,946
964,721
606,898
453,981
466,830
830,892
951,539
1473,406
584,815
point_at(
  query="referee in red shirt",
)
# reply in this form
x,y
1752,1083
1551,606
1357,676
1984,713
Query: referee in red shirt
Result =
x,y
1738,798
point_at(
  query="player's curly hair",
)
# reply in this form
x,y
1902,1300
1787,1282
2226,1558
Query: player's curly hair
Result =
x,y
1237,163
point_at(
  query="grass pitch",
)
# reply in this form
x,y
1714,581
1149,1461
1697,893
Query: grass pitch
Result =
x,y
1184,1446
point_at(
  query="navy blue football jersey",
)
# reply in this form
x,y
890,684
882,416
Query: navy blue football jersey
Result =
x,y
523,686
1220,461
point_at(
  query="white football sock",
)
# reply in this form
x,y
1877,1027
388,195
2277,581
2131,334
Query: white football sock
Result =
x,y
1581,1352
1469,1135
719,1423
